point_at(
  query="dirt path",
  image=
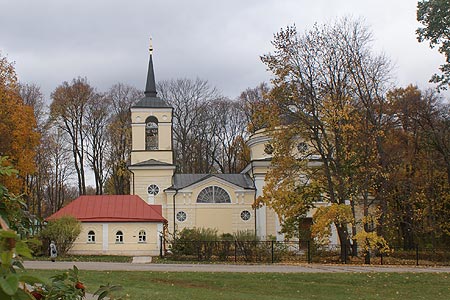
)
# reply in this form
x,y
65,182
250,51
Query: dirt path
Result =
x,y
275,268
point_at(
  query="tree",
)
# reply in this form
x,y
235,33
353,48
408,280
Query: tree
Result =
x,y
417,193
121,98
64,231
253,101
232,154
18,134
96,131
60,169
328,93
193,128
68,110
434,15
33,97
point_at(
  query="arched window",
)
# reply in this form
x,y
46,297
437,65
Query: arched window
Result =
x,y
213,194
119,237
142,236
151,133
91,237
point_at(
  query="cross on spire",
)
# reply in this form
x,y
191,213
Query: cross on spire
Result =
x,y
150,48
150,87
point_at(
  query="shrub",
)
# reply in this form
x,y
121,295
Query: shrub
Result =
x,y
246,243
63,231
195,241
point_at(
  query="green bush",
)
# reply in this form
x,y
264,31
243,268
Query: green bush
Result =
x,y
195,241
63,231
246,244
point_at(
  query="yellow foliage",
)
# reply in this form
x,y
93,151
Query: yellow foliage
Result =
x,y
339,214
18,134
370,241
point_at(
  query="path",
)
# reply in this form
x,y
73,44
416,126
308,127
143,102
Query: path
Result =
x,y
275,268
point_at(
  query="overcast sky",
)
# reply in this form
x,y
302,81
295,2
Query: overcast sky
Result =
x,y
52,41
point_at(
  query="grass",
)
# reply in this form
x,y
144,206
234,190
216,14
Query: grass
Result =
x,y
262,286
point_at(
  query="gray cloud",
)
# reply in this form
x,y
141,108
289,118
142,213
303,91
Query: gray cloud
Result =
x,y
54,41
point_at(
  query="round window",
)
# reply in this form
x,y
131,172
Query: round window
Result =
x,y
181,216
302,147
268,149
153,189
245,215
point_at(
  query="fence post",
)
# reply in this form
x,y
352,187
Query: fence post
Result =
x,y
272,251
309,251
381,257
417,254
160,246
345,254
235,251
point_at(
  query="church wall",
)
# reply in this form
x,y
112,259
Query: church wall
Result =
x,y
225,217
164,136
143,178
140,156
257,151
139,115
271,219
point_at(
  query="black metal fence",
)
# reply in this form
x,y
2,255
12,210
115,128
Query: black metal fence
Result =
x,y
297,251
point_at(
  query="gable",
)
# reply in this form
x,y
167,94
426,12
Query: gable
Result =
x,y
235,181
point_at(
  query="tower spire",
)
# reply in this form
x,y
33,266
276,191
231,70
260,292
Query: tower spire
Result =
x,y
150,87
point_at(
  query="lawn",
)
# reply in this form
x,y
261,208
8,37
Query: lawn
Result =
x,y
218,286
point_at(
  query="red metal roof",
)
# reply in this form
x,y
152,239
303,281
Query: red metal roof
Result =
x,y
111,208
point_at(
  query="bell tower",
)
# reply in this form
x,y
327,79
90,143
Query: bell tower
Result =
x,y
151,134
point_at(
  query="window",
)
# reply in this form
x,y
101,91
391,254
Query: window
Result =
x,y
181,216
142,236
245,215
119,237
151,133
268,149
213,194
302,147
91,237
153,189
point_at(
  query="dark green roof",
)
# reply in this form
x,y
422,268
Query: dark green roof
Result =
x,y
151,100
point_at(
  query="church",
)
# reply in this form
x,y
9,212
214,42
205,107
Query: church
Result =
x,y
118,225
221,201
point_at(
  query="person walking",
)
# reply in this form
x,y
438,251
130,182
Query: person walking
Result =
x,y
53,251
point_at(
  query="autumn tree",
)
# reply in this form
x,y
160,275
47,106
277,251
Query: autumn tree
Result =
x,y
121,97
418,188
434,15
232,154
252,102
327,86
68,110
97,121
192,127
36,182
18,134
60,170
